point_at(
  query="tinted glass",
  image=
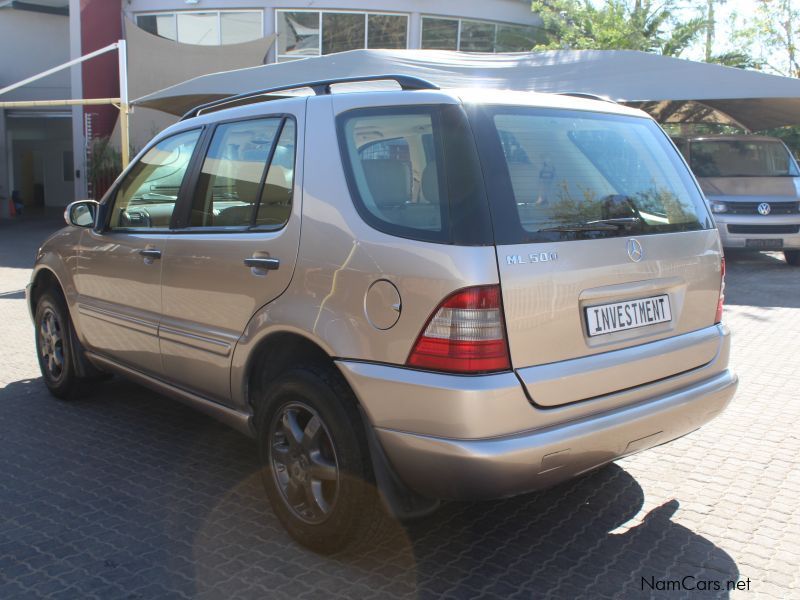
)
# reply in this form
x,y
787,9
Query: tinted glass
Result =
x,y
413,172
386,31
276,195
238,27
230,180
582,175
516,38
198,28
477,36
298,33
439,34
160,25
741,158
147,195
342,31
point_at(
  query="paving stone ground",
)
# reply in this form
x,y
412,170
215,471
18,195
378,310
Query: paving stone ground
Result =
x,y
126,494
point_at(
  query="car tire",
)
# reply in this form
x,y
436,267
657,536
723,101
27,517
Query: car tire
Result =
x,y
792,257
54,347
315,461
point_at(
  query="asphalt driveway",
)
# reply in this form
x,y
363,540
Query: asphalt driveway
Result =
x,y
126,494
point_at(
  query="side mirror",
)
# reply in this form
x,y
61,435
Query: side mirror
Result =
x,y
81,213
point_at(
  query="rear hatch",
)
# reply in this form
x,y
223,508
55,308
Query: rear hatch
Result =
x,y
606,252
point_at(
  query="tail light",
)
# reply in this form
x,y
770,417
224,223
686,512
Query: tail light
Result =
x,y
721,302
466,334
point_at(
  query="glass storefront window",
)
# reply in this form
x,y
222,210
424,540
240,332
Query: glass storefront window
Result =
x,y
312,33
160,25
439,34
477,36
240,27
516,38
467,35
205,28
387,31
201,29
298,33
342,31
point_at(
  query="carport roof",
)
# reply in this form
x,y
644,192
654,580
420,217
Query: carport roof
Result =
x,y
672,90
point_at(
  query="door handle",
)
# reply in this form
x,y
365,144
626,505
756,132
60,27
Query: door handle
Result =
x,y
269,264
151,253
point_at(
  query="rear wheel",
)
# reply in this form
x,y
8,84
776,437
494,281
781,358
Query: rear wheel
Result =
x,y
53,346
315,461
792,257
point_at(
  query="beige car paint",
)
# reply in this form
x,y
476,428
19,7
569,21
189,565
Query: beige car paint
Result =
x,y
190,324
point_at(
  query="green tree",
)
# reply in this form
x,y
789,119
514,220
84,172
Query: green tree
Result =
x,y
770,32
617,25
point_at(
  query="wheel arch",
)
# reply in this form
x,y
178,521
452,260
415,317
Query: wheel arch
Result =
x,y
43,279
274,354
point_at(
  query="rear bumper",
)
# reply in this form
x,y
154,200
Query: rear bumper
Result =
x,y
506,466
450,436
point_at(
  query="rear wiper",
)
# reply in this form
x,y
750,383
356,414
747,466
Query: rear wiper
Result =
x,y
598,225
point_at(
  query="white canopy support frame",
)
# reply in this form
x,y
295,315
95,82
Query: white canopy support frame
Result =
x,y
122,103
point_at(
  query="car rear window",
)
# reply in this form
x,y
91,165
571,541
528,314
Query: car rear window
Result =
x,y
413,172
741,158
562,175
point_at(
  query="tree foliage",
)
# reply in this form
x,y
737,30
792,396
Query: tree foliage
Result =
x,y
617,25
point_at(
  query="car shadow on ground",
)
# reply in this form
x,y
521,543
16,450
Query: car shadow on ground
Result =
x,y
760,279
126,493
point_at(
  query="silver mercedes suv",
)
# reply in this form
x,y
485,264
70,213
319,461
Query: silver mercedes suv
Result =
x,y
403,295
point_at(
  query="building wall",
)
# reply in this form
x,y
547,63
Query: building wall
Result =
x,y
30,42
507,11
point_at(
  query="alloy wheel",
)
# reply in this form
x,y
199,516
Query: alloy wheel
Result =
x,y
51,344
304,462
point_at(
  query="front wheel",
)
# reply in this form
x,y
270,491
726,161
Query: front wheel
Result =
x,y
53,346
315,462
792,257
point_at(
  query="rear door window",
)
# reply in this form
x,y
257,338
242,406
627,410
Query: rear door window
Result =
x,y
247,176
565,175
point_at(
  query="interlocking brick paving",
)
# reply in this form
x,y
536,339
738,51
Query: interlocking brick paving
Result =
x,y
127,494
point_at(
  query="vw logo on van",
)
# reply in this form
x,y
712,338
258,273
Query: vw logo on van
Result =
x,y
764,209
635,252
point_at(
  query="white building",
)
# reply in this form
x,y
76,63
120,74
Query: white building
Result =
x,y
43,152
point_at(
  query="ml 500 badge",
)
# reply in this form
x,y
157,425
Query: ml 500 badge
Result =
x,y
533,257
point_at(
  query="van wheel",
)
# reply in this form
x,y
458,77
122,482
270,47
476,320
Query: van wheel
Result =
x,y
315,462
54,347
792,257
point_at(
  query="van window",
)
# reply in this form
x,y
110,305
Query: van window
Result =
x,y
413,172
147,195
582,175
742,158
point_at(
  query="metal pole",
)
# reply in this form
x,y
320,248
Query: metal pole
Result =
x,y
124,108
41,103
66,65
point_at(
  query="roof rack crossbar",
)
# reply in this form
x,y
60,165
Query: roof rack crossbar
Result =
x,y
320,88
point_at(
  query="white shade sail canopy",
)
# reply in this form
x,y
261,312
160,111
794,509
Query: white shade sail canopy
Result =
x,y
672,90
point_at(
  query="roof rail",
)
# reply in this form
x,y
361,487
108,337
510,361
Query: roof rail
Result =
x,y
320,88
587,96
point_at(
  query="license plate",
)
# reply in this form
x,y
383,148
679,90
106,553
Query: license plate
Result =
x,y
619,316
771,244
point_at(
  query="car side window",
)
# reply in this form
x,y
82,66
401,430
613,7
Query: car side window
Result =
x,y
147,195
237,187
276,195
